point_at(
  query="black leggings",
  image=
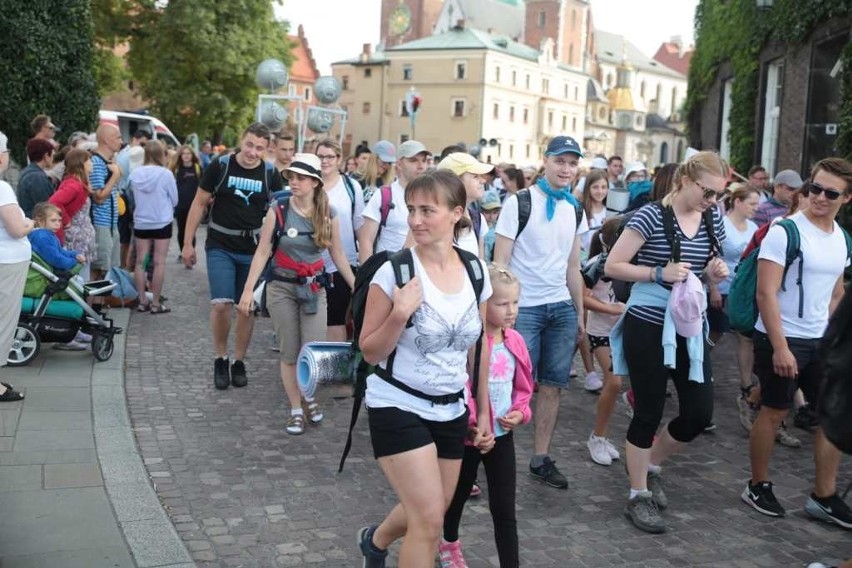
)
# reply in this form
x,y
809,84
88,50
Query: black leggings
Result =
x,y
643,349
500,473
181,216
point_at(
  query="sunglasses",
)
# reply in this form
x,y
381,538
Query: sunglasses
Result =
x,y
830,194
711,193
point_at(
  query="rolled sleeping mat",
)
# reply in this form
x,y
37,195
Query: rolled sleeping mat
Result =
x,y
323,362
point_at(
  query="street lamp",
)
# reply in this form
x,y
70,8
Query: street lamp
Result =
x,y
765,4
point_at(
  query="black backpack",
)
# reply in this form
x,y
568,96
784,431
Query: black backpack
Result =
x,y
525,208
834,406
403,268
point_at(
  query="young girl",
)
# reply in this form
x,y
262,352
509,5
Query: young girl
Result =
x,y
603,311
45,243
510,388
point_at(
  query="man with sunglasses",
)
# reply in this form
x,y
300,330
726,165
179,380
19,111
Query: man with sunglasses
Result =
x,y
795,303
786,183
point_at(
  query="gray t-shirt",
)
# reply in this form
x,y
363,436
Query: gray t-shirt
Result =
x,y
301,246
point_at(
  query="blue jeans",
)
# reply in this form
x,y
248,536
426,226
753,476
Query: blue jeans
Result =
x,y
550,332
227,273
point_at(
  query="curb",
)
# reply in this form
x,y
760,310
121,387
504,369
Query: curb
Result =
x,y
147,529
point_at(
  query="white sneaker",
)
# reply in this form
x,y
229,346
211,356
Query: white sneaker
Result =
x,y
83,337
613,452
598,450
71,346
594,382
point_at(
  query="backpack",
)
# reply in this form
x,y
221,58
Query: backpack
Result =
x,y
403,268
834,405
384,212
620,288
226,161
742,296
525,208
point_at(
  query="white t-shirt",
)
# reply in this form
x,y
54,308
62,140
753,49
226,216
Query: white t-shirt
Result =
x,y
394,233
540,255
599,324
825,259
732,248
338,198
470,241
431,355
12,250
595,223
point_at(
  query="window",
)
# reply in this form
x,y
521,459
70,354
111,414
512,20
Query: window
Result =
x,y
497,74
365,108
638,122
564,123
511,114
542,15
514,78
724,131
664,152
659,97
642,90
403,111
772,115
407,72
496,112
528,81
565,91
573,19
511,151
545,86
576,93
308,94
602,113
526,115
571,54
345,82
461,70
550,119
368,72
674,101
291,90
528,150
458,108
608,80
574,124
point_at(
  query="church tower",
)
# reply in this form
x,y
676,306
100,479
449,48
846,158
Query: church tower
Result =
x,y
407,20
567,22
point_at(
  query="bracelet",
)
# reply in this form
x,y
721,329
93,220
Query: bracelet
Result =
x,y
659,273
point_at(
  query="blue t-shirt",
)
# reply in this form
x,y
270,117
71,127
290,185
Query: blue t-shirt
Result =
x,y
501,381
104,214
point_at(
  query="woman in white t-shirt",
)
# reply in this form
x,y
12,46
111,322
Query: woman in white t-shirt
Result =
x,y
15,253
416,405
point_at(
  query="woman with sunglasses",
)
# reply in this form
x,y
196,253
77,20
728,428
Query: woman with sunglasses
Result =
x,y
637,339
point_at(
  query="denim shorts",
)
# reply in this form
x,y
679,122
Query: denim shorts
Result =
x,y
227,273
550,332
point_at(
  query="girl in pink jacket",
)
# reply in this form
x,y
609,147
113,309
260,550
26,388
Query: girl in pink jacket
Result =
x,y
510,387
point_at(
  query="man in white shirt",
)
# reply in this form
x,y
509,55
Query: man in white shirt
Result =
x,y
793,318
545,256
412,158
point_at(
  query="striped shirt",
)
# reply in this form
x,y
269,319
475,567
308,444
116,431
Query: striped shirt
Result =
x,y
104,214
656,251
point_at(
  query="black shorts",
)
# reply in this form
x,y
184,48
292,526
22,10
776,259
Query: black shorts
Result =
x,y
162,233
125,228
394,431
596,341
337,298
776,391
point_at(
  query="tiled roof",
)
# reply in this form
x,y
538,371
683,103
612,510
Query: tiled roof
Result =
x,y
669,55
303,68
469,39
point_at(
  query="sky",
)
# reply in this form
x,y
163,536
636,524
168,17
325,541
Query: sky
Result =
x,y
337,29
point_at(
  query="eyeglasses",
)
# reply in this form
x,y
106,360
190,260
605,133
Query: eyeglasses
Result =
x,y
830,194
327,157
710,193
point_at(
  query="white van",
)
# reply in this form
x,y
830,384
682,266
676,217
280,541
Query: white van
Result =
x,y
130,122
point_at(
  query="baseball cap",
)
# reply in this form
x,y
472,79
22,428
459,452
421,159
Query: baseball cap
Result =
x,y
563,145
410,148
461,162
789,178
687,304
599,163
491,200
385,151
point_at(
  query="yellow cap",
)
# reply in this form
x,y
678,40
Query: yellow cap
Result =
x,y
460,162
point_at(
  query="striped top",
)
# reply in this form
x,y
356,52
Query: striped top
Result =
x,y
104,214
656,251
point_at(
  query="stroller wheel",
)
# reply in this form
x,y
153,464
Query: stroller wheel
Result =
x,y
25,346
102,347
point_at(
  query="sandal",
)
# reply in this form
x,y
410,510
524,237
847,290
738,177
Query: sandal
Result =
x,y
142,308
296,425
313,411
161,309
11,396
9,386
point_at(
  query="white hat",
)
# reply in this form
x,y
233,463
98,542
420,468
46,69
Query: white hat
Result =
x,y
598,163
632,168
306,165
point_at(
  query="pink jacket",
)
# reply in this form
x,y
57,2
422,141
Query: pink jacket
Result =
x,y
523,387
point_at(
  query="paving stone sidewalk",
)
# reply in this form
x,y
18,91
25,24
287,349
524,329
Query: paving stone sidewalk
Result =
x,y
241,492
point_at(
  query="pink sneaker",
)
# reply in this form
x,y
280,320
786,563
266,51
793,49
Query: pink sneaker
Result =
x,y
450,554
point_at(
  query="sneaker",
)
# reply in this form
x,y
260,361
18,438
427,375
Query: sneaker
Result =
x,y
643,512
86,338
747,413
598,450
221,373
594,382
71,346
806,418
785,438
373,557
238,374
655,486
627,398
829,509
549,474
762,499
450,554
710,428
613,452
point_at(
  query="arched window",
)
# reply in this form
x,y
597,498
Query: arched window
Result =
x,y
679,150
664,153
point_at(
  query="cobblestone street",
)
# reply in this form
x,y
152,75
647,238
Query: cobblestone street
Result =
x,y
241,492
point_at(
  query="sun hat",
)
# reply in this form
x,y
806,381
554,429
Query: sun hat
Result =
x,y
634,167
687,304
306,165
385,151
461,163
490,201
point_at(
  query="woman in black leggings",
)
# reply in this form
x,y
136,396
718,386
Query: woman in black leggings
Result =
x,y
637,340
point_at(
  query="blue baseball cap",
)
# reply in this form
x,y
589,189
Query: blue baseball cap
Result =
x,y
563,145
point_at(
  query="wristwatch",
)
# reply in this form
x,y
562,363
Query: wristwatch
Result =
x,y
659,272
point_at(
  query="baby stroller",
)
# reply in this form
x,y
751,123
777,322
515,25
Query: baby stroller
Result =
x,y
54,309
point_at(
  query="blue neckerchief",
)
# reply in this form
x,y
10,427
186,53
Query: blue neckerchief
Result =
x,y
637,188
554,195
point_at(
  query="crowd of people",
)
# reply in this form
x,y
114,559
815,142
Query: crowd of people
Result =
x,y
508,272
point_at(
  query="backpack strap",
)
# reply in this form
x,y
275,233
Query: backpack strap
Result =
x,y
794,252
524,210
385,207
403,271
226,162
473,267
475,219
350,189
710,227
670,232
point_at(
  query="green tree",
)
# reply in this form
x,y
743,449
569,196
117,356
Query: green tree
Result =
x,y
113,21
46,65
195,61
